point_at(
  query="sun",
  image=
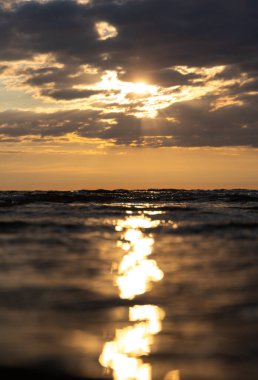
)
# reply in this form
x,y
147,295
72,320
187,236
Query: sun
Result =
x,y
110,81
145,99
141,88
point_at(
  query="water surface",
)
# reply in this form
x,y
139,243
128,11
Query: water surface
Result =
x,y
144,285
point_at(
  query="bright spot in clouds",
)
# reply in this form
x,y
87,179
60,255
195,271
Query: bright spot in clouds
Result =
x,y
140,88
127,94
105,30
110,81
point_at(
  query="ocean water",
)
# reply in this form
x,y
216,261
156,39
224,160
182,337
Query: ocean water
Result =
x,y
124,285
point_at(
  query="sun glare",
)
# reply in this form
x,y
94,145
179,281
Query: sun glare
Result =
x,y
110,81
139,88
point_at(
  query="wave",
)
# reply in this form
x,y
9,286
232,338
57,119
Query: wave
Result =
x,y
13,198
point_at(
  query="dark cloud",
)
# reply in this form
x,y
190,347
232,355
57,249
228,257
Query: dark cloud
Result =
x,y
3,68
21,123
163,77
68,94
58,82
154,34
198,125
60,76
194,125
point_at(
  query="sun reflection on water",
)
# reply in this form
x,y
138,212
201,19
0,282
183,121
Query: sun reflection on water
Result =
x,y
123,354
134,276
136,271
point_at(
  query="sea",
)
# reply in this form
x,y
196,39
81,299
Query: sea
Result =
x,y
129,285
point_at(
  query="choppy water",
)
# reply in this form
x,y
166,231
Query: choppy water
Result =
x,y
144,285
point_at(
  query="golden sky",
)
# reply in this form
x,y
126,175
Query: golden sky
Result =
x,y
133,94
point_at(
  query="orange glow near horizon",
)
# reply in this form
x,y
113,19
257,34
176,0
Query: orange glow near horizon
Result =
x,y
75,166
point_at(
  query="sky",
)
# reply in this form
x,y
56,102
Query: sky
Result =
x,y
128,94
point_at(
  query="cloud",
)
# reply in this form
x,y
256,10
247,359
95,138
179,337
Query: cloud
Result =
x,y
22,123
201,55
69,94
156,34
186,124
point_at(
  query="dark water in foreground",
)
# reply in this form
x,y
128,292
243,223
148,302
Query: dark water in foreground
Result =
x,y
150,285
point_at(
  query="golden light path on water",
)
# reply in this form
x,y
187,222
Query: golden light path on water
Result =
x,y
134,276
